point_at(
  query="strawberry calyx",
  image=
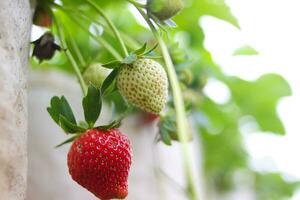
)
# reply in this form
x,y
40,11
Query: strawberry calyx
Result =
x,y
62,114
132,57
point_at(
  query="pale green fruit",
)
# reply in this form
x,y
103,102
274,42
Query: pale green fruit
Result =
x,y
164,9
144,84
95,74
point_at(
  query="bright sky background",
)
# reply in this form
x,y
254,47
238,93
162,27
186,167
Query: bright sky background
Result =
x,y
272,28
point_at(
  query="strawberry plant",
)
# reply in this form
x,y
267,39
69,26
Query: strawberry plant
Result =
x,y
146,71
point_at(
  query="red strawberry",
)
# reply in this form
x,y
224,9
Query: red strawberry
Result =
x,y
99,160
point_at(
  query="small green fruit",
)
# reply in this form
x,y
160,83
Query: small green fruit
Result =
x,y
95,74
144,83
164,9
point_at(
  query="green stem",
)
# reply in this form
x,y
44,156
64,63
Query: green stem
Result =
x,y
100,40
180,112
77,51
111,25
70,57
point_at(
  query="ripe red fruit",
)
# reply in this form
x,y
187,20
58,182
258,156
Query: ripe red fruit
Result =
x,y
99,160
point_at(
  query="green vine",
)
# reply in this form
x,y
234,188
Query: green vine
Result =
x,y
111,25
70,56
180,111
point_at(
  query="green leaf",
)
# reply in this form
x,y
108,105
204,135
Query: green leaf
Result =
x,y
273,186
259,99
112,65
130,59
92,104
71,139
114,124
218,9
141,50
68,126
221,142
150,50
60,106
83,124
109,80
245,50
165,137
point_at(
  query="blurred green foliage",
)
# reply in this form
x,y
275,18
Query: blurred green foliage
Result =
x,y
218,124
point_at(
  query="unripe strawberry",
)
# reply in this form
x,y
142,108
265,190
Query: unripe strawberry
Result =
x,y
144,83
95,74
164,9
99,160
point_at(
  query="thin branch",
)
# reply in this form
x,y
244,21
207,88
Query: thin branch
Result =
x,y
111,25
70,56
77,51
100,40
180,111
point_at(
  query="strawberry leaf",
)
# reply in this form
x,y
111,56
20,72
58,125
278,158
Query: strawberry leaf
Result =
x,y
68,126
150,50
114,124
112,65
71,139
140,50
60,106
165,137
92,104
109,81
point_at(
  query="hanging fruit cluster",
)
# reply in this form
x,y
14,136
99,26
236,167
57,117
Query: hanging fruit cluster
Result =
x,y
100,156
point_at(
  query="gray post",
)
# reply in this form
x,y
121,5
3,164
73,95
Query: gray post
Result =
x,y
15,25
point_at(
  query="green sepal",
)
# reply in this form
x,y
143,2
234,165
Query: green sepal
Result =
x,y
152,57
167,129
113,64
71,139
130,59
60,106
151,50
69,127
165,136
92,105
141,50
109,82
83,124
114,124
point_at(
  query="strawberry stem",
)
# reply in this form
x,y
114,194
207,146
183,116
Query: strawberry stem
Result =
x,y
180,112
111,25
77,50
100,40
70,56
